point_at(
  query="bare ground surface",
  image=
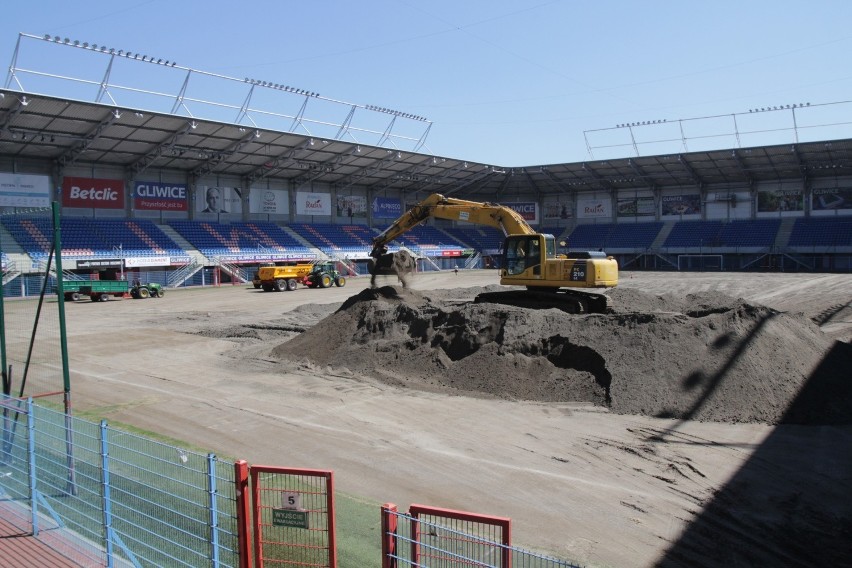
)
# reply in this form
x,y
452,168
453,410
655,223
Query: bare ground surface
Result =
x,y
705,421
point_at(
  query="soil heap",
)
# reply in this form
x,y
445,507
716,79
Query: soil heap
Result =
x,y
701,357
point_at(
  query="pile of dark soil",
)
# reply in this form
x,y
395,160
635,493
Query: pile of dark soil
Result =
x,y
700,357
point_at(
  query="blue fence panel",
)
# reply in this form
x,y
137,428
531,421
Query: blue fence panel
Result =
x,y
124,498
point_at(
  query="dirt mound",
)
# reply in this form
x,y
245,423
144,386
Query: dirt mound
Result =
x,y
701,356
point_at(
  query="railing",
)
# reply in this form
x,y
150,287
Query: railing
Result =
x,y
180,275
238,274
134,501
10,270
427,536
473,261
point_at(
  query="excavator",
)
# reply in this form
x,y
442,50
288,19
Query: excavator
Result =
x,y
552,279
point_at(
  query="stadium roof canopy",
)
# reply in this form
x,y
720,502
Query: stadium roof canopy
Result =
x,y
36,129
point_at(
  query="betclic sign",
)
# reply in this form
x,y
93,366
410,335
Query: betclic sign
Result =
x,y
93,193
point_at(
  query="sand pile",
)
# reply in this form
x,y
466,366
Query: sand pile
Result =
x,y
702,356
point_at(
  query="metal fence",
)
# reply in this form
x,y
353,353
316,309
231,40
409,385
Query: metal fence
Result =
x,y
103,496
293,517
427,537
129,500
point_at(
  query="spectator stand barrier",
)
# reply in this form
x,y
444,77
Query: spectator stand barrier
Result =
x,y
293,517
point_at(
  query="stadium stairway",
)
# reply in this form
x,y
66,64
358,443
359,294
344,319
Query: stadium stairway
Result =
x,y
10,245
17,259
193,252
662,235
782,238
303,241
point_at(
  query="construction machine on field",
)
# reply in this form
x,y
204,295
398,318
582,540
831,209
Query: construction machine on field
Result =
x,y
563,280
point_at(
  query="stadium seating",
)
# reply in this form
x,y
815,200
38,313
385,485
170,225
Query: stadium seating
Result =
x,y
694,234
33,234
216,239
749,233
822,231
85,237
428,237
480,238
608,236
336,240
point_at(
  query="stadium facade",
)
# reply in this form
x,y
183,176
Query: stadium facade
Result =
x,y
188,201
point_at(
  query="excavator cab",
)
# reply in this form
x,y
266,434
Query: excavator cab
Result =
x,y
525,252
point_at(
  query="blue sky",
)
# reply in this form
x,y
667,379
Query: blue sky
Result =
x,y
508,83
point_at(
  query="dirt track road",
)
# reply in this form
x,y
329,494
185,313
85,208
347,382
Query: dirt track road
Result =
x,y
579,482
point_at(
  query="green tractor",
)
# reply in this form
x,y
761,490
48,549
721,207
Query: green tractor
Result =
x,y
323,275
141,291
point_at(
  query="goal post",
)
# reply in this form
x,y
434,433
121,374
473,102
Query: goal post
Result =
x,y
701,262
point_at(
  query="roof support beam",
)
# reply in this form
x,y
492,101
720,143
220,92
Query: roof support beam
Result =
x,y
743,168
69,157
218,157
282,160
369,170
598,177
695,177
143,164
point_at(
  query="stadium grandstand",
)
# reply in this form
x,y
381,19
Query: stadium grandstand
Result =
x,y
193,201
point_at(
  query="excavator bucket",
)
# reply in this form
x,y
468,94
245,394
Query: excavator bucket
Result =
x,y
401,264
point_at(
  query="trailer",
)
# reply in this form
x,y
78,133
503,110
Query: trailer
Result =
x,y
103,290
281,278
71,289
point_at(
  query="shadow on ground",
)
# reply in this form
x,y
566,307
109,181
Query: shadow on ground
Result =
x,y
790,504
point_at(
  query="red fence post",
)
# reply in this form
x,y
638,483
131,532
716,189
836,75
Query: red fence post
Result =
x,y
332,530
243,523
389,524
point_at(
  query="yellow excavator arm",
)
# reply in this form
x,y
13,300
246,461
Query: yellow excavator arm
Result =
x,y
439,207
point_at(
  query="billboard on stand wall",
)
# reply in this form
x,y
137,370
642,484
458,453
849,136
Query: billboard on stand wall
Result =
x,y
157,196
216,199
594,208
271,201
20,190
93,193
309,203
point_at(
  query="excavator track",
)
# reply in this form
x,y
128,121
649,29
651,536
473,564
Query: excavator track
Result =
x,y
569,301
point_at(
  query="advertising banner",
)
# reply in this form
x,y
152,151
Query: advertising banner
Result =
x,y
351,206
93,193
557,210
313,203
635,207
272,201
386,208
215,199
681,204
587,208
832,198
528,210
780,200
141,262
156,196
20,190
99,263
